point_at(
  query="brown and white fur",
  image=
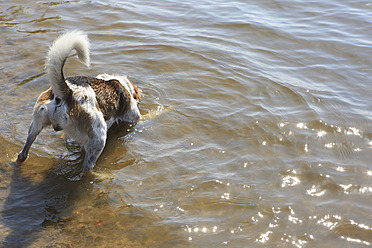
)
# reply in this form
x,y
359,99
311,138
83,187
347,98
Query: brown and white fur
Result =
x,y
84,107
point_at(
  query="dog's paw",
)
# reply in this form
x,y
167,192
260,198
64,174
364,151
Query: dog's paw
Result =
x,y
20,159
77,177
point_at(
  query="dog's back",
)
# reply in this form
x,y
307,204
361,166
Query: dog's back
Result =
x,y
112,97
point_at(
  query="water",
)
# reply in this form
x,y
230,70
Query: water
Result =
x,y
257,128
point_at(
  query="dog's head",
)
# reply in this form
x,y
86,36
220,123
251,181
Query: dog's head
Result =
x,y
132,89
136,92
134,114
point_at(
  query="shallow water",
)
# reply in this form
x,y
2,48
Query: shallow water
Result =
x,y
257,128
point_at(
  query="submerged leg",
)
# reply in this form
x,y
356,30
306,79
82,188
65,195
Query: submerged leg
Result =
x,y
33,132
92,153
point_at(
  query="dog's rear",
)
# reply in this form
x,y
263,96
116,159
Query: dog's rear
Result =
x,y
74,106
57,56
48,100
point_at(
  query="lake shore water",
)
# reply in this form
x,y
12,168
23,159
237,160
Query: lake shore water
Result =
x,y
257,128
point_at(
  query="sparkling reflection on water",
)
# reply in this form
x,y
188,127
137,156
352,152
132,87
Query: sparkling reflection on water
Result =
x,y
256,129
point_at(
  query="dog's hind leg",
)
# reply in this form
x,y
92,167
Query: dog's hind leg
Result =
x,y
91,155
33,132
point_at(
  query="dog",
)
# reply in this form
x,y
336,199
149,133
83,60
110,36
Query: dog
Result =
x,y
84,107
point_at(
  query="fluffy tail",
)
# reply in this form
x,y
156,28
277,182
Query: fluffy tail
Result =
x,y
58,53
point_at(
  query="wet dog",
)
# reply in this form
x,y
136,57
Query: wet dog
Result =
x,y
84,107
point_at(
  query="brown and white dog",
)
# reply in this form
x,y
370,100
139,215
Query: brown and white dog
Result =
x,y
84,107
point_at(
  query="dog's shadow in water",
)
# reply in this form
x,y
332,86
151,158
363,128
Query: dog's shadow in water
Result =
x,y
33,205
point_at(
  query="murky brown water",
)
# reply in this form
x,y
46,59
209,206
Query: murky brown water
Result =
x,y
257,128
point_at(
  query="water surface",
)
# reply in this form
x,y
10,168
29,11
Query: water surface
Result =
x,y
256,131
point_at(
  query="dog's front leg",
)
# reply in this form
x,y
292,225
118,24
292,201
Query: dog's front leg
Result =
x,y
33,132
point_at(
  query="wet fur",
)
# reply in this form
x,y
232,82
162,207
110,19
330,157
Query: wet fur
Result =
x,y
84,107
